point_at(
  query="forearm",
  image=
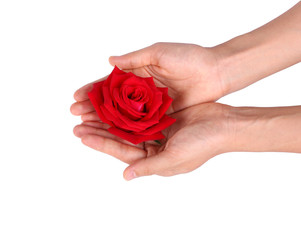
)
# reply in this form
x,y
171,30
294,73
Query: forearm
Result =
x,y
275,129
262,52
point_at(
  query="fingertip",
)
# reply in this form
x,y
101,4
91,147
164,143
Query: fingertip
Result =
x,y
85,139
76,96
74,110
71,108
112,60
81,94
75,131
129,174
94,141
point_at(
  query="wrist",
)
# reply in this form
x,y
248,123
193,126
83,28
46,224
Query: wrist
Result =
x,y
266,129
247,129
238,61
250,57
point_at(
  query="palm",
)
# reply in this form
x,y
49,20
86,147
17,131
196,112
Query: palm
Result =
x,y
191,75
194,138
185,147
189,71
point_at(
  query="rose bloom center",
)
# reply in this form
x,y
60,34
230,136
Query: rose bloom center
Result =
x,y
136,97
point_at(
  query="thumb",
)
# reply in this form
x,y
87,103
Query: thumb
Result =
x,y
139,58
148,166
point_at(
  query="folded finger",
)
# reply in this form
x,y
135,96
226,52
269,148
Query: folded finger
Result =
x,y
95,124
136,59
82,93
83,129
122,151
80,108
92,116
156,164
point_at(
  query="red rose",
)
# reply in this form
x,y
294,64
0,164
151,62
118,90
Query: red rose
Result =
x,y
133,106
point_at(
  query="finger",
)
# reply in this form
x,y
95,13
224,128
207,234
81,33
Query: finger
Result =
x,y
92,116
100,125
124,152
141,72
82,93
157,164
140,58
81,130
80,108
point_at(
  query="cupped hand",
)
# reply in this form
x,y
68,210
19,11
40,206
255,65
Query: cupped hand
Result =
x,y
190,72
200,133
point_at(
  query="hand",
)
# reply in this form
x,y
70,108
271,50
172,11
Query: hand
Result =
x,y
200,133
189,71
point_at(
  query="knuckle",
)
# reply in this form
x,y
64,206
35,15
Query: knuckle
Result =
x,y
142,170
171,171
80,107
168,173
146,171
176,170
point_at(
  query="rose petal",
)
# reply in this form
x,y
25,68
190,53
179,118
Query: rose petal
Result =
x,y
113,114
96,98
117,121
166,101
125,109
139,95
155,105
135,139
135,82
139,124
164,122
150,82
137,105
118,77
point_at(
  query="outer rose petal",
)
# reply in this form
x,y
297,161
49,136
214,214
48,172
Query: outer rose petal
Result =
x,y
96,98
166,101
117,77
117,71
150,82
135,138
164,122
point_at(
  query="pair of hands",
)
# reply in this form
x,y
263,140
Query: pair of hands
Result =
x,y
201,131
196,77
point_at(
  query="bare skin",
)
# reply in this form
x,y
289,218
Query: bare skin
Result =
x,y
196,75
189,142
186,70
210,129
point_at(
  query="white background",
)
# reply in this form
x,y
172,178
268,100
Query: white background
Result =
x,y
53,187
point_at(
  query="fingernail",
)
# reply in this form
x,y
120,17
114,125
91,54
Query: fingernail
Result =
x,y
130,175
